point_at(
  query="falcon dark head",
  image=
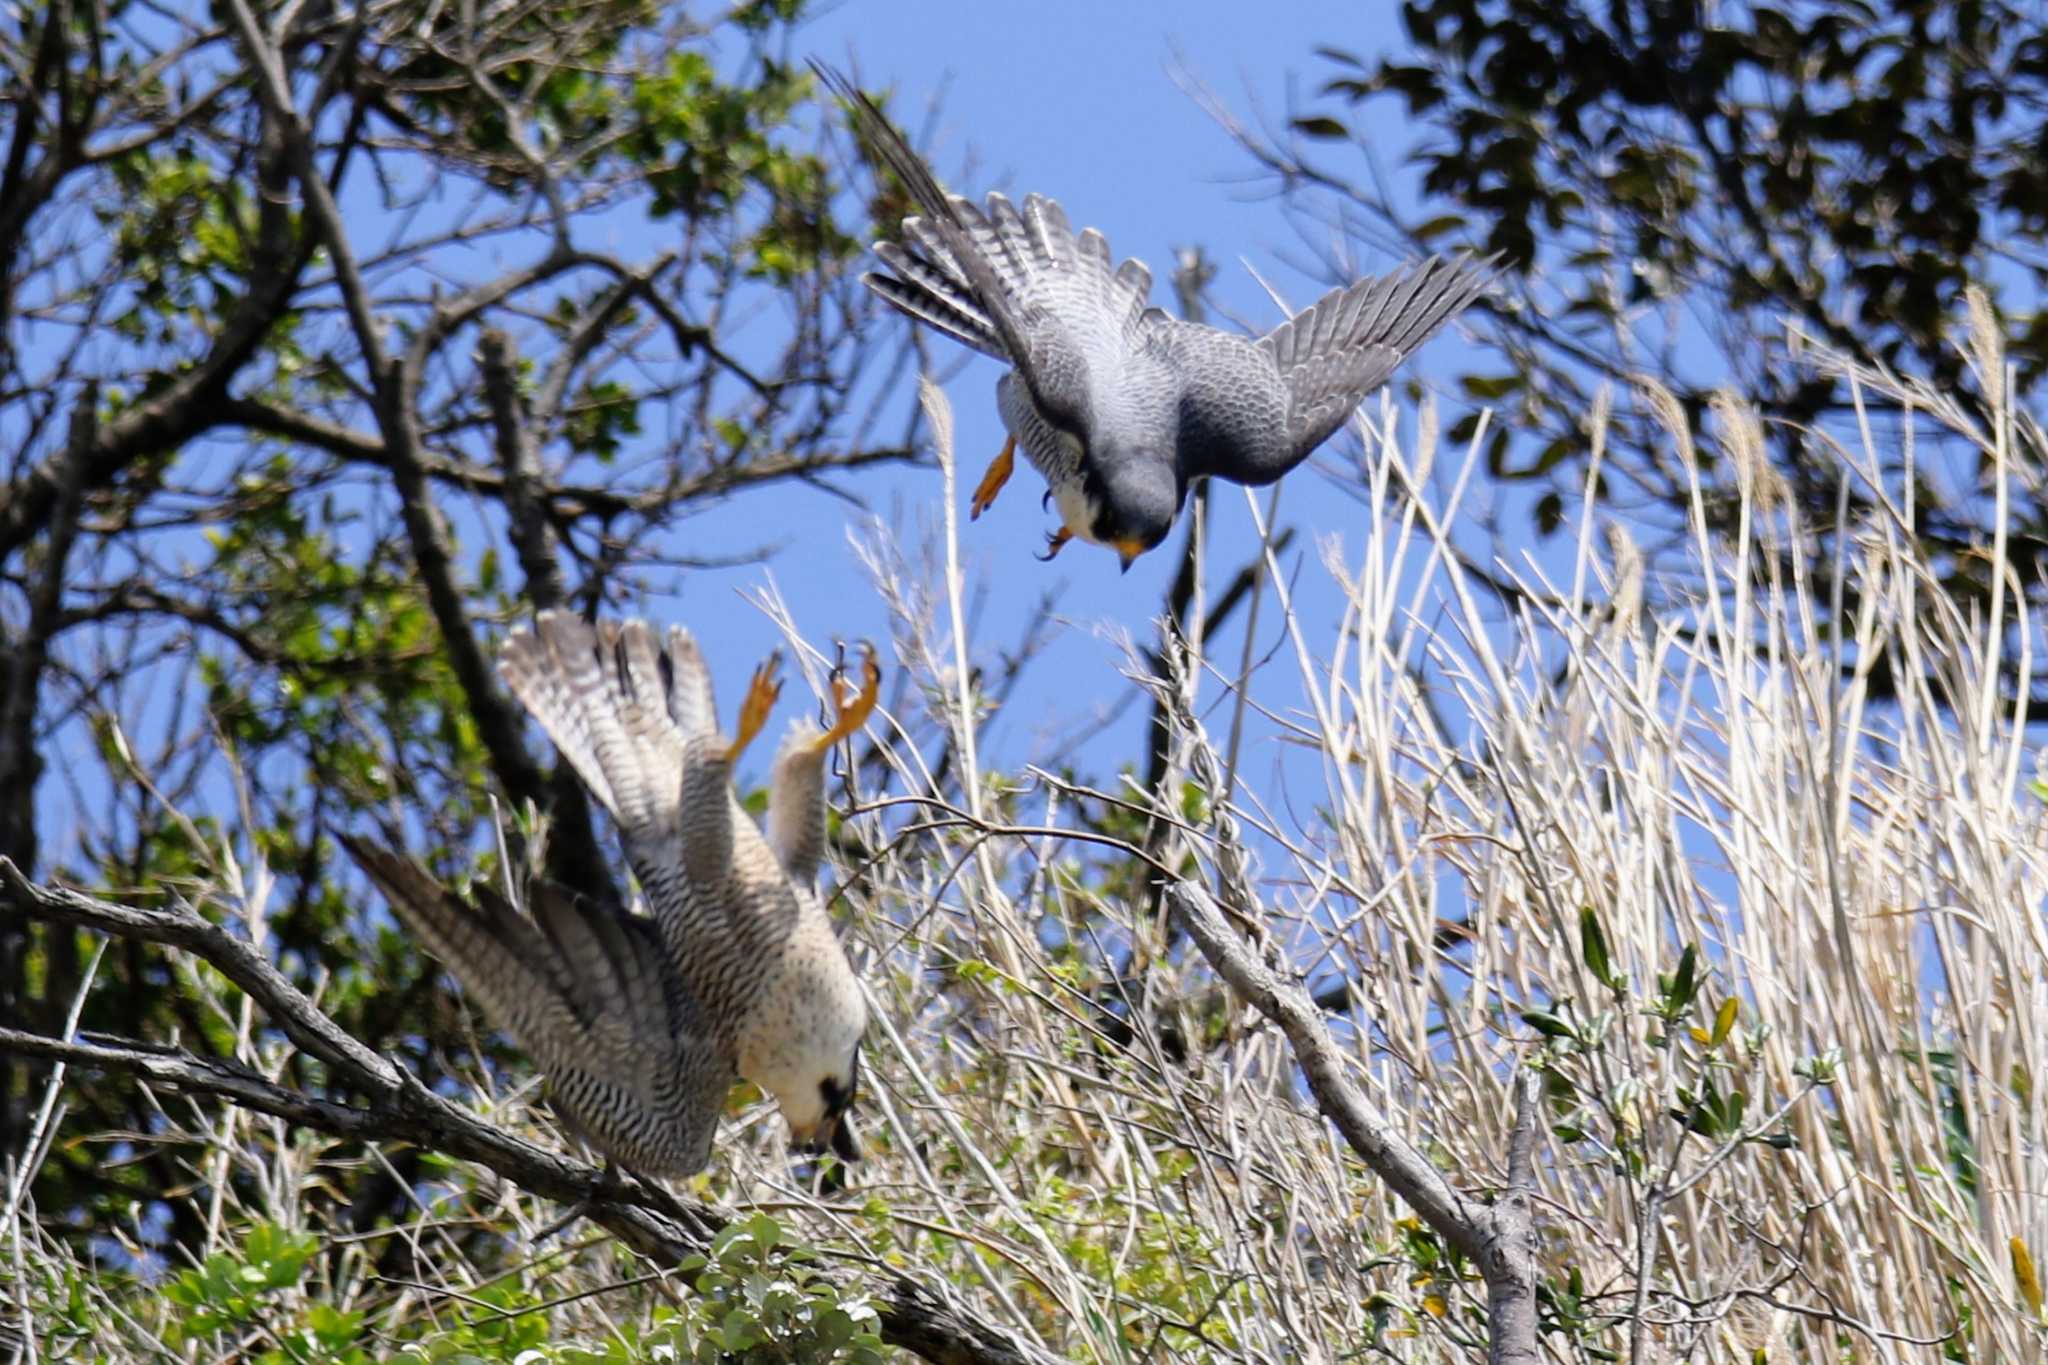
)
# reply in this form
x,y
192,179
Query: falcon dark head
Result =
x,y
835,1129
1131,499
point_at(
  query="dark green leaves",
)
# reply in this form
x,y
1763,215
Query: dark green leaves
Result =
x,y
1593,949
1676,991
1710,1113
1548,1024
1848,165
1320,127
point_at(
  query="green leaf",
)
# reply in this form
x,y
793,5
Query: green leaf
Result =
x,y
1724,1021
1548,1024
729,1237
740,1330
1487,389
1684,983
1436,227
1593,948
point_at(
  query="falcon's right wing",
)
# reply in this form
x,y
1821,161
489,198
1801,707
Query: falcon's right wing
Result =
x,y
628,713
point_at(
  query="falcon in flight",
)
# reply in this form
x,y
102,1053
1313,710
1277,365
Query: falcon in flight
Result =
x,y
1117,404
643,1022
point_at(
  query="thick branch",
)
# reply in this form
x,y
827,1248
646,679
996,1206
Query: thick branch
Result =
x,y
1370,1133
1508,1260
274,89
26,657
302,1021
24,190
574,853
526,518
396,389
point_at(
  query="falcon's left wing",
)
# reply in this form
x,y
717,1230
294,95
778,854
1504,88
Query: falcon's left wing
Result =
x,y
983,277
1346,344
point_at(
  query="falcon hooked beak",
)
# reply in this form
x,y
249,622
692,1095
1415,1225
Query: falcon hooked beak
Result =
x,y
1127,550
834,1132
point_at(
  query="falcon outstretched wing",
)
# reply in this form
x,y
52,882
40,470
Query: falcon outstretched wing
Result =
x,y
633,717
1346,344
1015,284
636,720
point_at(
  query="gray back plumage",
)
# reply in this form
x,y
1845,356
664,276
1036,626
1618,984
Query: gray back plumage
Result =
x,y
1098,362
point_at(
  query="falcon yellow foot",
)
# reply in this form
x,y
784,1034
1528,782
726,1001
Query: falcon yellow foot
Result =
x,y
1054,542
762,691
992,479
852,712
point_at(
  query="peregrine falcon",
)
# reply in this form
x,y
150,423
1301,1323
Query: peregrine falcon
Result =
x,y
1117,404
643,1022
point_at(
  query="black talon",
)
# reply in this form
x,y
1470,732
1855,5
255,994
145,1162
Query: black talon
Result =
x,y
1053,541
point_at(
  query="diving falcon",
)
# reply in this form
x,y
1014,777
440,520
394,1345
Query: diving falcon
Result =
x,y
643,1022
1116,403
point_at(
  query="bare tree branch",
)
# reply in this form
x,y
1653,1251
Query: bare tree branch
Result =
x,y
185,404
531,538
567,501
302,1021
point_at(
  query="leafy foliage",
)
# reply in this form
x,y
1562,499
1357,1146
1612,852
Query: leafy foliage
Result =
x,y
757,1299
754,1299
1678,183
